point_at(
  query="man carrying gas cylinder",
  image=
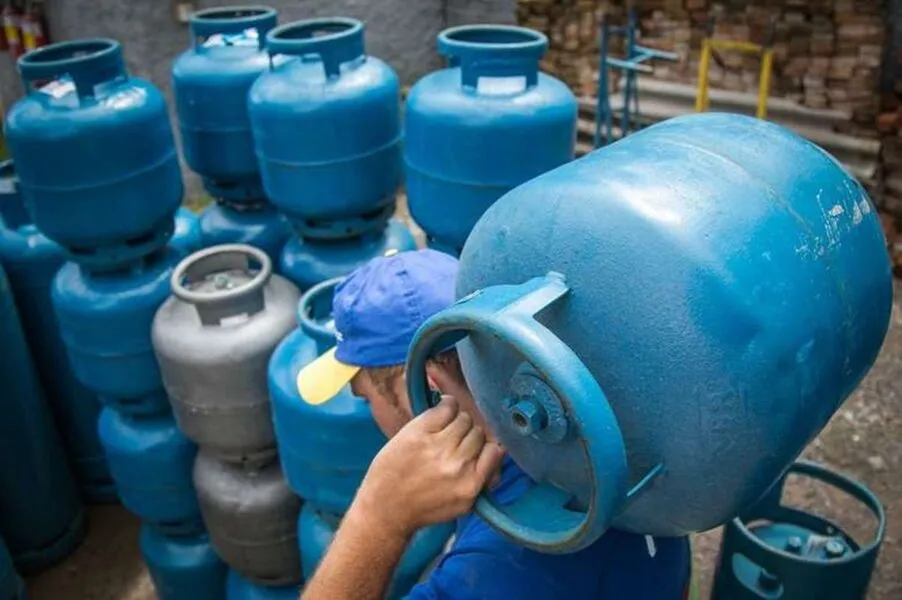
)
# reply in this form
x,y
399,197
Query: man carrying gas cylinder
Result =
x,y
436,464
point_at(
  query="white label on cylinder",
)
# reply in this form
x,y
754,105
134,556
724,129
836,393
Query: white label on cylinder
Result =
x,y
248,37
7,186
500,86
59,88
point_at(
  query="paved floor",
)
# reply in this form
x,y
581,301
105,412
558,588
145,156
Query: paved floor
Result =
x,y
864,440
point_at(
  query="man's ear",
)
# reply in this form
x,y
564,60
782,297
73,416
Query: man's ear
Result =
x,y
437,376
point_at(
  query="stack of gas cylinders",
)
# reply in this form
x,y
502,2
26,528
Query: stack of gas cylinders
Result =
x,y
326,126
327,448
213,339
97,166
210,83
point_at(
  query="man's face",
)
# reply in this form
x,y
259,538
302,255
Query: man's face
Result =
x,y
388,402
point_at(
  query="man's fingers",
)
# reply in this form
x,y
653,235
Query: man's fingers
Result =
x,y
438,417
489,461
472,443
456,429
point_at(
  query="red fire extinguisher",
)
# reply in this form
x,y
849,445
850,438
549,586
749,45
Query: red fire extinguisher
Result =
x,y
34,26
11,21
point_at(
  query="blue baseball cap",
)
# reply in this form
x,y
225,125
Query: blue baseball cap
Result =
x,y
377,309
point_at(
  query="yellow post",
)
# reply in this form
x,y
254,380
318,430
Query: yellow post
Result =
x,y
709,45
701,98
767,60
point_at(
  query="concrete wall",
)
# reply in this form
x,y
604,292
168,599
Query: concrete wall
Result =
x,y
401,32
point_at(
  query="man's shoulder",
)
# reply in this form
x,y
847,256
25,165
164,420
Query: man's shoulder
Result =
x,y
617,561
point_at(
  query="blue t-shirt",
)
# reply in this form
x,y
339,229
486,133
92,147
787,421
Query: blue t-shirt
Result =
x,y
484,565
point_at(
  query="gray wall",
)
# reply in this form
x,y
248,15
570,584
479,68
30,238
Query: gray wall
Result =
x,y
401,32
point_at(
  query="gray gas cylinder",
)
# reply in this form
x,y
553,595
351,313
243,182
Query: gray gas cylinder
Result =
x,y
251,515
213,338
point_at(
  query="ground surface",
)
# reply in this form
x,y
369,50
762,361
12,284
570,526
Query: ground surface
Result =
x,y
864,440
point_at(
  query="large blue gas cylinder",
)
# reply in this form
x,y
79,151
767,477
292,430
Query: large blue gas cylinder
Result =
x,y
151,463
239,588
327,128
307,262
41,515
325,449
258,225
481,127
105,320
316,530
31,261
94,152
210,82
668,321
183,568
11,585
188,237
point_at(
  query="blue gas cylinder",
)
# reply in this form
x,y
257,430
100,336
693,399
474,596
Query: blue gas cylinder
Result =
x,y
713,273
11,585
317,528
482,126
239,588
325,449
183,568
327,128
151,462
105,320
94,152
41,515
31,261
258,225
187,237
307,262
210,82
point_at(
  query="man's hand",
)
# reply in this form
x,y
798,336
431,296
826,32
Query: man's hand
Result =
x,y
430,472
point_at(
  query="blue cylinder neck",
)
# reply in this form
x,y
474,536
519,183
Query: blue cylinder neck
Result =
x,y
335,41
232,20
493,51
315,314
87,63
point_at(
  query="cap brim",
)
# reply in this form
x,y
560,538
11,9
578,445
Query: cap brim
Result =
x,y
321,380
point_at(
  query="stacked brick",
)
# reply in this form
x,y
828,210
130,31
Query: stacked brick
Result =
x,y
827,53
572,27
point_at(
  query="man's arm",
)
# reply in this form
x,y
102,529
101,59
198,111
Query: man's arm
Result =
x,y
361,560
430,472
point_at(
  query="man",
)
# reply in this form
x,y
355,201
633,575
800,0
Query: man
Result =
x,y
436,464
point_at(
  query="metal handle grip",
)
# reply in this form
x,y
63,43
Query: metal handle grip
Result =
x,y
335,40
232,19
214,306
88,62
313,307
792,570
493,51
541,519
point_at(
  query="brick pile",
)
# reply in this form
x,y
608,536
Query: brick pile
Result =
x,y
573,28
827,53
